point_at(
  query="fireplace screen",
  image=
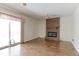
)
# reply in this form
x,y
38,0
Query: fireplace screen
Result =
x,y
52,34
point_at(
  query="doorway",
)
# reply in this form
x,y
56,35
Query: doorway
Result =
x,y
10,32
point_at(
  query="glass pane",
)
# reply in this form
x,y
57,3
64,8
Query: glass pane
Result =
x,y
15,31
4,32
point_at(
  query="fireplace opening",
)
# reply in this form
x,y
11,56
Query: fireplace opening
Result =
x,y
52,34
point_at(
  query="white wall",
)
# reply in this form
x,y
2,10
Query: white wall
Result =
x,y
30,29
75,31
42,28
34,28
66,28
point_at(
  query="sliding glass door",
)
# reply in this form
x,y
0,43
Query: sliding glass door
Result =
x,y
4,32
10,32
15,32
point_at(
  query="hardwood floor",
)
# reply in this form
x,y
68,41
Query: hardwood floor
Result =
x,y
40,47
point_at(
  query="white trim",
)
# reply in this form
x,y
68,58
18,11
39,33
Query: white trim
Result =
x,y
75,44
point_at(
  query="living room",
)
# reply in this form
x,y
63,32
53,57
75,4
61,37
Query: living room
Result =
x,y
33,34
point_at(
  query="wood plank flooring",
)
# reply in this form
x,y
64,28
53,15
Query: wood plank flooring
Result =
x,y
40,47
